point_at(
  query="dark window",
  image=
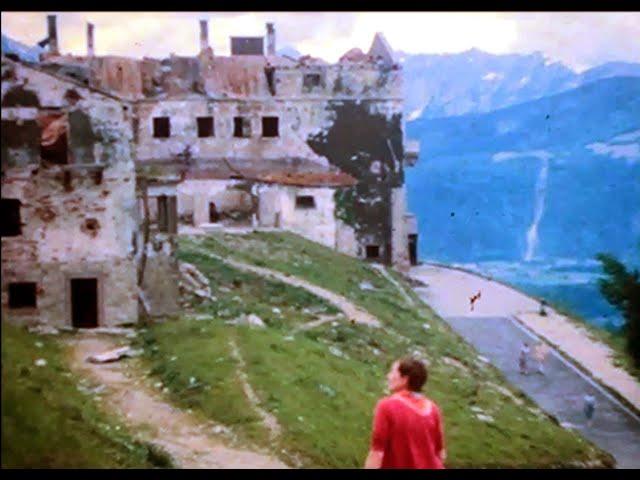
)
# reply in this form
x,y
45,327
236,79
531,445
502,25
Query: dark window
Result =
x,y
373,251
11,225
161,127
205,127
270,126
22,295
241,127
167,214
305,201
311,81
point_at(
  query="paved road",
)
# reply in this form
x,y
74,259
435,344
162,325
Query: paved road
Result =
x,y
558,392
448,294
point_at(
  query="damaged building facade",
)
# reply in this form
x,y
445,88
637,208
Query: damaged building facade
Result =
x,y
72,234
251,139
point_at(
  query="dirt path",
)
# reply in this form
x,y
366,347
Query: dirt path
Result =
x,y
270,421
448,293
352,312
179,433
383,270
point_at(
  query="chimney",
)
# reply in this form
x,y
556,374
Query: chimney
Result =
x,y
53,35
90,51
271,39
204,35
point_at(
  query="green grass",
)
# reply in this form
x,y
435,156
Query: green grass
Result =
x,y
47,422
322,384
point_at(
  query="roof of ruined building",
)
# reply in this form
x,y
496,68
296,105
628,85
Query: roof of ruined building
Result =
x,y
202,75
281,176
62,76
287,169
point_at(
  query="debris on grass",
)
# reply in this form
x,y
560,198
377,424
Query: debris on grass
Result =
x,y
366,286
485,418
41,362
251,320
44,330
337,352
327,390
114,355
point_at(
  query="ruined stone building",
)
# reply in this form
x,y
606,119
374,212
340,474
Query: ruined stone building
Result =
x,y
72,233
251,139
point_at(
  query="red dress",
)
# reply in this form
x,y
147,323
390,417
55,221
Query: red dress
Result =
x,y
407,428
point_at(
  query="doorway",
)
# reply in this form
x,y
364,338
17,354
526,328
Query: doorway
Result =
x,y
413,249
84,302
214,216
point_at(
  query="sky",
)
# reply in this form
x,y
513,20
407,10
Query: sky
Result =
x,y
578,39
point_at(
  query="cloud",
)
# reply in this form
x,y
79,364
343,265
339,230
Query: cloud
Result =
x,y
159,34
578,39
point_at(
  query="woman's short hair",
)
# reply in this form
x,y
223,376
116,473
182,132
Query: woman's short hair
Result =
x,y
416,372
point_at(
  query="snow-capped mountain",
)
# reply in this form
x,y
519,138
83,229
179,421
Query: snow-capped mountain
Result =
x,y
477,82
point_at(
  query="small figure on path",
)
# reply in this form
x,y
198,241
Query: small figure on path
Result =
x,y
474,298
540,354
407,426
542,312
522,358
589,408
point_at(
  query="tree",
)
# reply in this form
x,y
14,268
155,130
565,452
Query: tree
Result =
x,y
621,288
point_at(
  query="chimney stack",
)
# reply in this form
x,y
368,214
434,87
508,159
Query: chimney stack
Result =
x,y
204,35
90,50
53,35
271,39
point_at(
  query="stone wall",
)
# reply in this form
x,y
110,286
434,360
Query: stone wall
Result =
x,y
79,219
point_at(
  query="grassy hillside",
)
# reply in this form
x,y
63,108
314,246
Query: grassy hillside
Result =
x,y
47,420
322,383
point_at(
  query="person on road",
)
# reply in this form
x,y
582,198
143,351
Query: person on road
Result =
x,y
589,408
540,354
474,298
523,357
407,426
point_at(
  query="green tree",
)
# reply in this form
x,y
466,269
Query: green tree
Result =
x,y
621,288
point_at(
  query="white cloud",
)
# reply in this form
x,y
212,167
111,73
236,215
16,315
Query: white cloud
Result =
x,y
493,76
630,151
540,154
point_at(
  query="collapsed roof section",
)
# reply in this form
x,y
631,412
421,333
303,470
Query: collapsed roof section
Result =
x,y
242,74
287,164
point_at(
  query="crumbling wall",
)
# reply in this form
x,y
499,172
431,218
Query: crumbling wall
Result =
x,y
78,219
365,140
399,234
277,208
161,275
231,200
119,75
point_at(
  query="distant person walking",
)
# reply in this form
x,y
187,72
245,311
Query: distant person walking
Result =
x,y
540,353
589,408
523,358
407,426
474,298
